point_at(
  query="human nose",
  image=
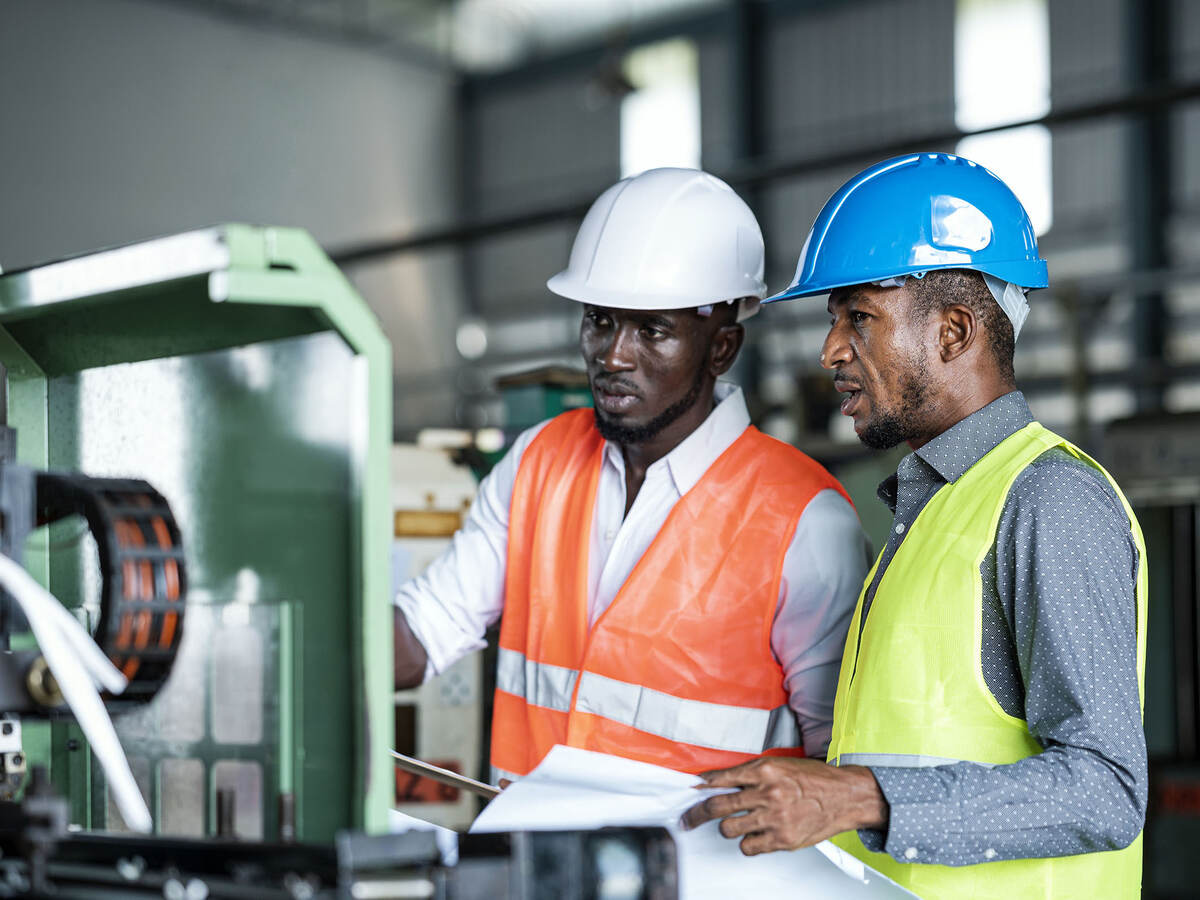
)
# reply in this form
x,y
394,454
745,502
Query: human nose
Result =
x,y
616,353
835,351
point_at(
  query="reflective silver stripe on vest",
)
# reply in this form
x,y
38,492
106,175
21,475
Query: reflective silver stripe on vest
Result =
x,y
900,760
738,729
541,684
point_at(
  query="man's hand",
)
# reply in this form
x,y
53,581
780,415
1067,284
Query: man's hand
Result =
x,y
786,803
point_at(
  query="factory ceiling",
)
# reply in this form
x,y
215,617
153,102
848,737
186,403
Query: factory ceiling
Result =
x,y
473,36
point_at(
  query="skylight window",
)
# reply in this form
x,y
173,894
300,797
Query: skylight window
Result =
x,y
660,117
1002,74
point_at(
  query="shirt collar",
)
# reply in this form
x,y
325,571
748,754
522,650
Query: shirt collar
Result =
x,y
691,458
955,450
966,442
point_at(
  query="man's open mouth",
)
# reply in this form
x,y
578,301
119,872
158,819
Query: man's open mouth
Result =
x,y
852,391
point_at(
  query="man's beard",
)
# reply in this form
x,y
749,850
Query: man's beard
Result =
x,y
639,434
888,429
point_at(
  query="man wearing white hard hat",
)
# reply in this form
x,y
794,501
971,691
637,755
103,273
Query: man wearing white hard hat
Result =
x,y
673,585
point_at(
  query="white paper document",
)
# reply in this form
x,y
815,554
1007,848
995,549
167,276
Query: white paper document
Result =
x,y
578,789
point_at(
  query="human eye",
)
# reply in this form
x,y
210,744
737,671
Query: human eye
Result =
x,y
653,332
596,318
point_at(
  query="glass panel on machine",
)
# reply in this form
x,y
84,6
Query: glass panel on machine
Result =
x,y
245,782
237,679
182,797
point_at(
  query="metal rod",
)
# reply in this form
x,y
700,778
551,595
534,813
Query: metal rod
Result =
x,y
1148,192
445,776
226,813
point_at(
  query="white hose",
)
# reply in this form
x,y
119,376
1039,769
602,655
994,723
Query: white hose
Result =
x,y
103,673
79,665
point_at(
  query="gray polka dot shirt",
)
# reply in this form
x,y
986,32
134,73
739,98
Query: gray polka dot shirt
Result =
x,y
1059,650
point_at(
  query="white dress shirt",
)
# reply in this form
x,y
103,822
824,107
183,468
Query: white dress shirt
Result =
x,y
453,602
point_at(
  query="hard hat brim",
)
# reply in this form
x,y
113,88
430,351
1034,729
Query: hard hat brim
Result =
x,y
1015,271
566,285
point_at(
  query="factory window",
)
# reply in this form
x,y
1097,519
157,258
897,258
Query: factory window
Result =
x,y
1002,74
660,116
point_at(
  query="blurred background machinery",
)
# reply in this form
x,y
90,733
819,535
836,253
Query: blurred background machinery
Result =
x,y
441,721
1157,460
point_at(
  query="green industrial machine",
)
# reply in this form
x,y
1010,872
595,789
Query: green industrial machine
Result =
x,y
237,371
539,394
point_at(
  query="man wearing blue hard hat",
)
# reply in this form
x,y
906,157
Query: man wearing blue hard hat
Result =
x,y
987,737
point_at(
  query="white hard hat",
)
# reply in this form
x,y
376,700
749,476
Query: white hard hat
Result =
x,y
666,239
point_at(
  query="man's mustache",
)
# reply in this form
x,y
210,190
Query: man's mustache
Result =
x,y
614,384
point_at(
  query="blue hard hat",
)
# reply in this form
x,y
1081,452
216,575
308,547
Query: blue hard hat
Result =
x,y
913,214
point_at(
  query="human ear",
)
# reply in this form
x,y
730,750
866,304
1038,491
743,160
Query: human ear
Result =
x,y
723,349
957,331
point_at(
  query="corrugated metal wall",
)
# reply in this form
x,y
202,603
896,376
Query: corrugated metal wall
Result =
x,y
836,76
127,119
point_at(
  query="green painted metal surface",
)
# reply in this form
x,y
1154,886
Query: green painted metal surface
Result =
x,y
238,371
527,405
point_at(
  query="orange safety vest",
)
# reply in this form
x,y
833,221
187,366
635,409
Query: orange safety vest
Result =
x,y
678,671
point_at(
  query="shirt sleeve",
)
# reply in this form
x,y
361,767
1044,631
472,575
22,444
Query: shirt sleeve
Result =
x,y
823,574
452,603
1066,573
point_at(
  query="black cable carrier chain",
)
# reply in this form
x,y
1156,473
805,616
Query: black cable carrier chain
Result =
x,y
142,568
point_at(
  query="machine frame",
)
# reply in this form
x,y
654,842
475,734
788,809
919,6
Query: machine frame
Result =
x,y
208,290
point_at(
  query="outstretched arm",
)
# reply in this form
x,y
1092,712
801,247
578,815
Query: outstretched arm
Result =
x,y
410,656
442,614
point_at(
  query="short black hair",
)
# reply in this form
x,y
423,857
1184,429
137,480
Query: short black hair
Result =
x,y
943,288
726,311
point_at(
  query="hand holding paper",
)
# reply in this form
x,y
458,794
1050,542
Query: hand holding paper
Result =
x,y
577,789
785,804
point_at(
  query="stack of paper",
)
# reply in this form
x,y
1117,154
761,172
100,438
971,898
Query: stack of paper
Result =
x,y
579,789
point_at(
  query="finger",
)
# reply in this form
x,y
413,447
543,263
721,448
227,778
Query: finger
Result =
x,y
721,805
698,815
747,823
736,776
717,807
504,782
759,842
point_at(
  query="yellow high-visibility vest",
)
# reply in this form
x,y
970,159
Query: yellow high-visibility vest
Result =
x,y
912,692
